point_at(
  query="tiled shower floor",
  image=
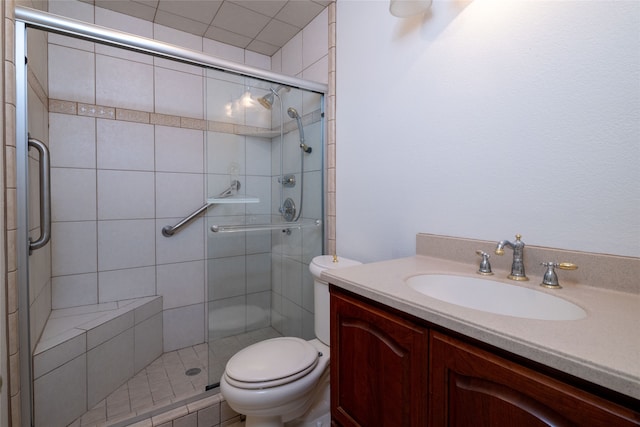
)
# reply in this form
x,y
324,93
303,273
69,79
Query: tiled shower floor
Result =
x,y
165,380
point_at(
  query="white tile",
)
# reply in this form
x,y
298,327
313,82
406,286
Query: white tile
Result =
x,y
58,355
126,244
39,271
318,71
258,241
276,62
311,243
39,311
254,113
307,290
179,150
185,245
292,56
183,326
147,342
223,50
258,156
179,38
258,310
108,366
95,310
61,395
315,39
125,195
75,10
73,194
125,145
227,318
257,60
72,141
109,326
226,277
56,332
123,83
292,281
37,116
224,101
220,245
119,21
74,290
260,187
308,325
181,284
312,195
225,153
178,194
149,309
116,285
292,319
71,74
258,273
37,51
178,93
73,248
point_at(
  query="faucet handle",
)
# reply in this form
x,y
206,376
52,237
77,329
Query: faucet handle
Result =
x,y
485,266
550,278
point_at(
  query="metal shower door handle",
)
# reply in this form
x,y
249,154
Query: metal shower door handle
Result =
x,y
45,196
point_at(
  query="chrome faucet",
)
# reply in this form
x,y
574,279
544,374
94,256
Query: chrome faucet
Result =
x,y
517,267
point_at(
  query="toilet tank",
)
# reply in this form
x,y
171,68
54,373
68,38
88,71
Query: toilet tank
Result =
x,y
321,291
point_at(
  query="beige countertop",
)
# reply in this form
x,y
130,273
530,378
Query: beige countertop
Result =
x,y
603,348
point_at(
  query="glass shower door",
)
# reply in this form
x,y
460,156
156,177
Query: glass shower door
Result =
x,y
262,237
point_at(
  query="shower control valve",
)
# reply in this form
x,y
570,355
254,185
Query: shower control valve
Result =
x,y
288,180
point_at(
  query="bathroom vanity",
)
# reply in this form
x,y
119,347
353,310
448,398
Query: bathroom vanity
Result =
x,y
399,358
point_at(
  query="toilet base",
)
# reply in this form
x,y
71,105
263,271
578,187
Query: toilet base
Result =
x,y
257,421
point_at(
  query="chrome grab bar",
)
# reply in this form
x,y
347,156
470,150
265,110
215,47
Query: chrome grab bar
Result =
x,y
45,196
168,231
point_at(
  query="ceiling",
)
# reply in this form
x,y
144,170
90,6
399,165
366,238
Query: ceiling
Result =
x,y
262,26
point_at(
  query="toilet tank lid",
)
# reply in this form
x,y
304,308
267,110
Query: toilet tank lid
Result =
x,y
326,262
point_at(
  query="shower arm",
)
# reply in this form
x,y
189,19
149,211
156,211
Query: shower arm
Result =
x,y
169,230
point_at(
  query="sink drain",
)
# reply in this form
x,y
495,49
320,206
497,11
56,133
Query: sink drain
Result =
x,y
192,371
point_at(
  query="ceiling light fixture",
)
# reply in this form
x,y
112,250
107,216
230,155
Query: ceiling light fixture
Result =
x,y
406,8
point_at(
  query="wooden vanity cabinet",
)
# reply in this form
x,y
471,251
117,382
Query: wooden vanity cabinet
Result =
x,y
390,369
378,366
470,386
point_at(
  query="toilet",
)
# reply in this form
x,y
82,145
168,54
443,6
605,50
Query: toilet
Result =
x,y
286,379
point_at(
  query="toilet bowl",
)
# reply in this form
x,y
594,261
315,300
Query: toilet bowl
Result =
x,y
286,379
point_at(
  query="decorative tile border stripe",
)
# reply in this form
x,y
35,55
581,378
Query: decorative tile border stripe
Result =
x,y
137,116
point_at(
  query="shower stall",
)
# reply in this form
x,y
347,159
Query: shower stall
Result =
x,y
168,212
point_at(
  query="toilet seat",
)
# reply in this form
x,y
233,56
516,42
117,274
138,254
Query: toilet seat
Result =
x,y
271,363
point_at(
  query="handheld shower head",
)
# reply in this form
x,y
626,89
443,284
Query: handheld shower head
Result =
x,y
293,113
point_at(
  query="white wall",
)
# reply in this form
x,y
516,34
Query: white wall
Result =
x,y
487,119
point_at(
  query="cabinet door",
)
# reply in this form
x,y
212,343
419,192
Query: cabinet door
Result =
x,y
473,387
378,367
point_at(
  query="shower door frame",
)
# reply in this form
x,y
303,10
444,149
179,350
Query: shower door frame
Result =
x,y
25,19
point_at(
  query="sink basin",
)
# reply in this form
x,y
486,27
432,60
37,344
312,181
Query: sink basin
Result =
x,y
495,297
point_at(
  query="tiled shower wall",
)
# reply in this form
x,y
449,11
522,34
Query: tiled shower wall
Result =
x,y
110,204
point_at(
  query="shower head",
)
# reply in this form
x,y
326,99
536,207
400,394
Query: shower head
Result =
x,y
267,100
293,113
